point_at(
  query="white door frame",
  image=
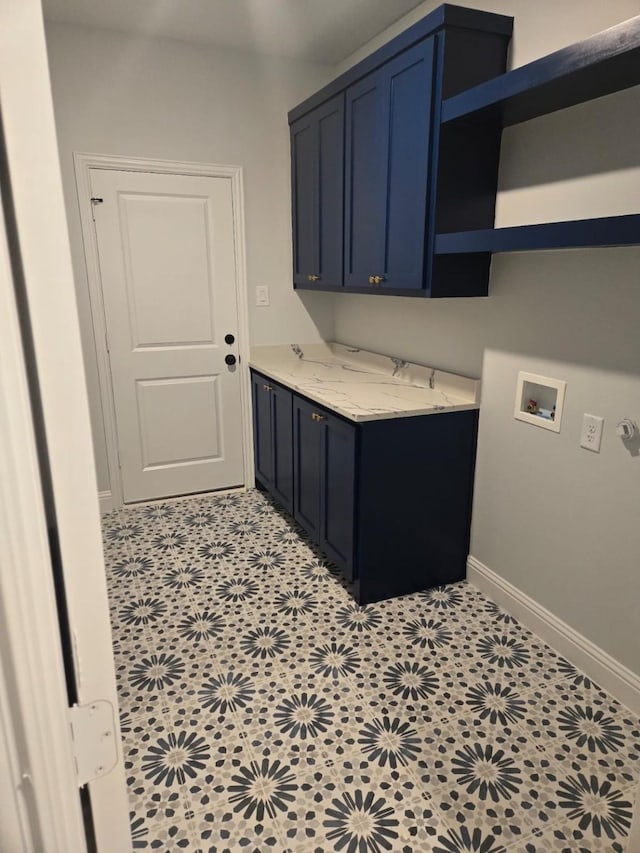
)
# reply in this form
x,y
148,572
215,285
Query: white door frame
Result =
x,y
39,801
83,162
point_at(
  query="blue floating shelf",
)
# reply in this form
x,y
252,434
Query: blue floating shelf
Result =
x,y
600,65
604,231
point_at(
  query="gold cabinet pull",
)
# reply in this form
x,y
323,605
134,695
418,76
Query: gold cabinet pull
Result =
x,y
268,387
313,277
376,279
370,279
317,418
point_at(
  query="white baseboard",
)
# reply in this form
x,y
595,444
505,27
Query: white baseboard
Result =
x,y
106,502
596,663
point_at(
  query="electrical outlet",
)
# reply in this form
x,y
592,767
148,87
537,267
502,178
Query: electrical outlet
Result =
x,y
262,295
591,434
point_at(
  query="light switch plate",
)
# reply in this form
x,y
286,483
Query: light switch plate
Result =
x,y
262,295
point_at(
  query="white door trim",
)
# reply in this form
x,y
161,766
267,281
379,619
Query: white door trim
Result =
x,y
83,162
39,777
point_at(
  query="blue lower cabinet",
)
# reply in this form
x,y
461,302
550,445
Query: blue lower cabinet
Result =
x,y
306,466
337,491
324,461
388,501
262,429
272,438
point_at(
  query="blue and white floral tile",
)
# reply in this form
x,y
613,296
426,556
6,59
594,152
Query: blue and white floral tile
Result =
x,y
596,818
127,565
157,764
243,809
492,782
161,677
113,554
195,628
338,614
496,701
140,606
149,834
585,729
463,838
264,650
510,652
417,686
228,832
427,638
356,805
318,572
456,601
290,603
571,674
304,722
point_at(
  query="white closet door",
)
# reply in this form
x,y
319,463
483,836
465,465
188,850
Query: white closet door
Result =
x,y
168,272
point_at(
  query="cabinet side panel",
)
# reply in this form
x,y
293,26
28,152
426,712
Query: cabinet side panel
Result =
x,y
471,57
304,200
416,480
262,432
338,492
410,84
306,466
282,419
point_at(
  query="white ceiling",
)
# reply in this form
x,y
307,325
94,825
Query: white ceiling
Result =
x,y
315,30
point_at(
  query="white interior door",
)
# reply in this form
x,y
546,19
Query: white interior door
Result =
x,y
168,273
46,349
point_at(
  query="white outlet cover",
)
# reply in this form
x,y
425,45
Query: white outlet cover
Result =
x,y
591,432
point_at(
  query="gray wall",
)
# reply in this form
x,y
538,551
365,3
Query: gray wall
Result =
x,y
559,522
115,94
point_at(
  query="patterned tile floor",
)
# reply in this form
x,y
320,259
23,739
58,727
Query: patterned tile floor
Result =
x,y
262,710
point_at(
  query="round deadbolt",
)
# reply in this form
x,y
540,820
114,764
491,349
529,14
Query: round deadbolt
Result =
x,y
229,339
229,359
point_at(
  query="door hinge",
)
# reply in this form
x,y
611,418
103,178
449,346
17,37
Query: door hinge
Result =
x,y
93,733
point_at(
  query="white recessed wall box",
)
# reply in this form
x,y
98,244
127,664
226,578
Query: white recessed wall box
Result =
x,y
539,400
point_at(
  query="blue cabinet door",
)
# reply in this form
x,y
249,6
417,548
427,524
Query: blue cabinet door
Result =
x,y
388,144
306,466
282,447
337,484
262,429
317,183
304,198
272,438
366,140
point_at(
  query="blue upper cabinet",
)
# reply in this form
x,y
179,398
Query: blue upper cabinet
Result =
x,y
377,193
317,183
388,131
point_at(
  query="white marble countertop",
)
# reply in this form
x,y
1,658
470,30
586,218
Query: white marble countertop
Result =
x,y
365,386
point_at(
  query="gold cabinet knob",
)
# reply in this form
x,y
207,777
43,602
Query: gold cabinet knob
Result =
x,y
377,279
370,279
313,277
